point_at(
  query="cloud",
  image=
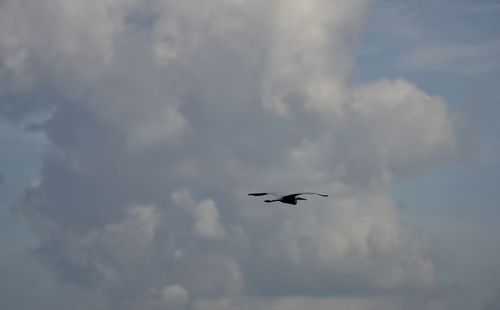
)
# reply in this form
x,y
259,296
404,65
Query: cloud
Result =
x,y
168,126
169,297
205,215
311,54
3,183
99,257
493,301
293,303
354,246
159,131
175,296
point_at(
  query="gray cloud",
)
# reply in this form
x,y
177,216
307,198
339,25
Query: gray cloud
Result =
x,y
493,302
160,130
3,183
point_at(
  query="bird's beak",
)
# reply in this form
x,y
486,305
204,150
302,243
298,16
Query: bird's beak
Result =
x,y
300,198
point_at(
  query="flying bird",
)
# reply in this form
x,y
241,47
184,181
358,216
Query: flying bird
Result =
x,y
289,199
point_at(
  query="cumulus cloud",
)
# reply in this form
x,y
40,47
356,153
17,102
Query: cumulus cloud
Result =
x,y
175,296
311,54
355,246
205,215
101,256
164,127
218,99
50,37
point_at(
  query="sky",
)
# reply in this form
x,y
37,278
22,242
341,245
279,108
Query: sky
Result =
x,y
132,131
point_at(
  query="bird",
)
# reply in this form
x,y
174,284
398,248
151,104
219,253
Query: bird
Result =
x,y
289,199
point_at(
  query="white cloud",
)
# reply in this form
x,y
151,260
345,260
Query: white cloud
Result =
x,y
139,227
167,126
205,215
386,105
293,303
38,37
142,112
311,54
207,220
350,244
185,29
175,296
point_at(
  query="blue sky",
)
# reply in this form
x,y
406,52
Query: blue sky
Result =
x,y
457,202
470,182
129,143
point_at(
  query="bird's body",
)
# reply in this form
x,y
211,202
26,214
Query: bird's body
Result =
x,y
288,199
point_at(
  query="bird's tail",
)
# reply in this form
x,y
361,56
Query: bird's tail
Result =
x,y
269,201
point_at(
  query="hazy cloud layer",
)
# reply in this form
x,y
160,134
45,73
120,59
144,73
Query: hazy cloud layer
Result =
x,y
165,114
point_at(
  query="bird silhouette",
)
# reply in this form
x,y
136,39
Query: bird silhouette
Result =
x,y
289,198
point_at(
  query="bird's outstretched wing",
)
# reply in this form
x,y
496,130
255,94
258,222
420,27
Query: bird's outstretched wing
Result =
x,y
263,194
309,193
280,195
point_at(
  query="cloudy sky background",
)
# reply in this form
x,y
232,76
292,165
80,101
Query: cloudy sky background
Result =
x,y
131,132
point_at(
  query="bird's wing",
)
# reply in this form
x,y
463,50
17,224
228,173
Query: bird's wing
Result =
x,y
263,194
309,193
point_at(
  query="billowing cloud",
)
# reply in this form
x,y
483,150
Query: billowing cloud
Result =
x,y
311,54
175,296
164,121
205,214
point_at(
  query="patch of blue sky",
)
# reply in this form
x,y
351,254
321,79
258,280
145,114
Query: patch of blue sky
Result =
x,y
432,37
447,41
